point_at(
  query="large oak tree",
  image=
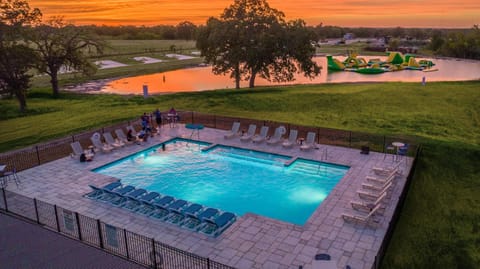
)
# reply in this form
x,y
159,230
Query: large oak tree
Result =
x,y
16,58
64,46
252,39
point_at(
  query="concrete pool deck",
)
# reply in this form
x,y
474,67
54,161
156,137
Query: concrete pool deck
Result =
x,y
253,241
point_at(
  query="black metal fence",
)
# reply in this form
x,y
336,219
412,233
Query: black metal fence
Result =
x,y
53,150
396,214
134,246
131,246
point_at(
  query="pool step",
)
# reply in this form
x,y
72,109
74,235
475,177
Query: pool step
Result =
x,y
253,157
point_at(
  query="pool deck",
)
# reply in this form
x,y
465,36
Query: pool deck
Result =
x,y
253,241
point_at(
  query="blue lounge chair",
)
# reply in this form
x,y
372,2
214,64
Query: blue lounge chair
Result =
x,y
175,209
161,207
130,200
193,222
99,191
149,197
216,226
116,194
146,207
191,211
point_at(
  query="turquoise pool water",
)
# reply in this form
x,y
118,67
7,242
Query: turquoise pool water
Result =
x,y
230,179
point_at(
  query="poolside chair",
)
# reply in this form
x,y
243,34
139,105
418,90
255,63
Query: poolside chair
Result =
x,y
292,139
193,222
146,207
99,191
277,136
134,132
111,141
78,151
232,133
385,171
367,206
129,200
373,195
161,207
361,218
250,133
122,137
381,180
262,136
115,194
310,142
98,144
214,227
177,216
175,210
10,175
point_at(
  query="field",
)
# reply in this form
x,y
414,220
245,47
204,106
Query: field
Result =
x,y
440,223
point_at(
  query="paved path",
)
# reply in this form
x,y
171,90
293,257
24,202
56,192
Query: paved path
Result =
x,y
27,245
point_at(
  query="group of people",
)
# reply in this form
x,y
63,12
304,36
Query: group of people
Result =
x,y
147,123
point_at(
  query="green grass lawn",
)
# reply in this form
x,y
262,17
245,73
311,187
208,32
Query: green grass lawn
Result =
x,y
440,222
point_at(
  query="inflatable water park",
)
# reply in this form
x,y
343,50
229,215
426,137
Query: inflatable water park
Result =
x,y
395,61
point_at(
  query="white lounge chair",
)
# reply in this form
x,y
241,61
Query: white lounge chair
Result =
x,y
373,195
361,218
98,143
250,133
382,180
111,141
277,136
367,206
292,139
262,136
130,127
78,150
122,137
385,171
232,133
310,142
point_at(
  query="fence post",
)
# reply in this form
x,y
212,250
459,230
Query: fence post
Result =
x,y
100,237
38,154
215,121
208,263
384,141
56,217
193,121
73,138
5,199
154,254
126,243
78,226
350,139
36,210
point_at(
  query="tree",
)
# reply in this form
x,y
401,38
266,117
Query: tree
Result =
x,y
186,30
16,58
252,39
61,45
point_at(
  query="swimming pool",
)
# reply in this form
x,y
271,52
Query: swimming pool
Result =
x,y
230,179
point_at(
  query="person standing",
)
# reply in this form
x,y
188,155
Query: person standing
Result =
x,y
158,118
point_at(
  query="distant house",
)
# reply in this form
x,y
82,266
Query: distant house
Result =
x,y
348,36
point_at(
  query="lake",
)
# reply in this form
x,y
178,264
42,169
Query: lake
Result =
x,y
202,78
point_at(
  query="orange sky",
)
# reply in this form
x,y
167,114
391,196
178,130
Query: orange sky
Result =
x,y
369,13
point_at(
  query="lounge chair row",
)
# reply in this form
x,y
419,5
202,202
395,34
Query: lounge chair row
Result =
x,y
109,144
192,216
251,135
372,195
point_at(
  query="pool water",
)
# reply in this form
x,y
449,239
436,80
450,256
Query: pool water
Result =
x,y
230,179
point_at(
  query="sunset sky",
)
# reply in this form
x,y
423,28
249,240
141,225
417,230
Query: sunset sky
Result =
x,y
369,13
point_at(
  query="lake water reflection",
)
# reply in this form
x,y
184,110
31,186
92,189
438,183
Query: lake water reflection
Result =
x,y
202,78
